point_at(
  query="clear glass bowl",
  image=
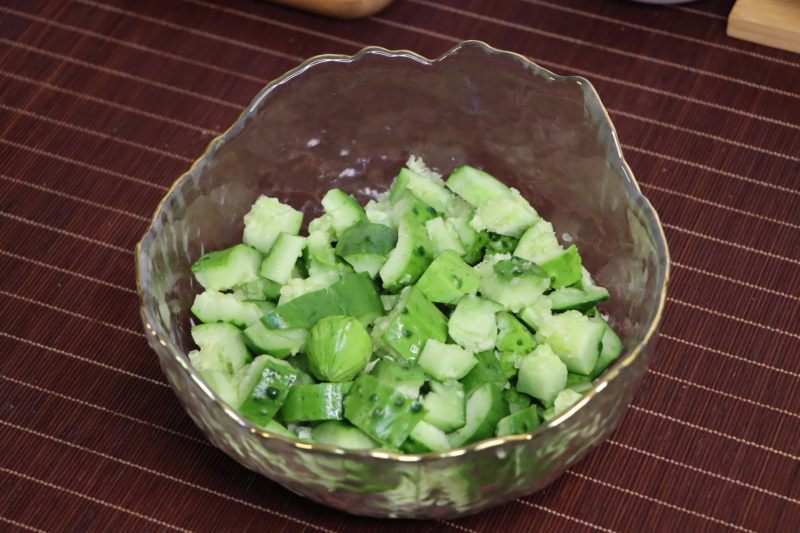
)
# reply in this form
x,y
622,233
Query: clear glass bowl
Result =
x,y
351,122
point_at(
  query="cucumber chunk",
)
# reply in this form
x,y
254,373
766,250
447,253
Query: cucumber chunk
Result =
x,y
222,346
343,209
339,347
488,370
443,237
522,421
381,411
472,241
280,262
366,245
312,403
406,378
538,241
565,399
409,206
512,282
425,438
500,244
563,266
567,298
342,435
512,335
446,361
258,289
516,400
448,278
264,388
279,343
485,408
575,338
220,381
267,219
431,191
446,405
213,306
476,186
412,322
473,324
542,374
296,287
507,215
611,349
223,270
410,257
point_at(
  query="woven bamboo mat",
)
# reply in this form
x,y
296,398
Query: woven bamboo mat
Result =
x,y
104,104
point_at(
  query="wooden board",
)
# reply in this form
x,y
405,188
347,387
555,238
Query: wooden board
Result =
x,y
771,22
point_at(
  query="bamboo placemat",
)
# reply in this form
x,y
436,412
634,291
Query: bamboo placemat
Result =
x,y
104,104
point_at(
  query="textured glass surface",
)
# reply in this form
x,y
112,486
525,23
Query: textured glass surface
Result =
x,y
546,135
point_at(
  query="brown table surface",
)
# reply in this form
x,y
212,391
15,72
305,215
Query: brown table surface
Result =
x,y
104,104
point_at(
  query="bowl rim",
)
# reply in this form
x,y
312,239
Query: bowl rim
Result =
x,y
655,227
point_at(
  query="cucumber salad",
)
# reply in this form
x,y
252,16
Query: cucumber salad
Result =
x,y
441,313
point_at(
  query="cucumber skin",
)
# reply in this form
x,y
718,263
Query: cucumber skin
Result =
x,y
343,435
313,403
512,335
488,370
224,269
485,426
408,379
448,278
381,411
523,421
408,327
409,259
269,392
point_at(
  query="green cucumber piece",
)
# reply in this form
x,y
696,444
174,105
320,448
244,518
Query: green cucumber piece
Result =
x,y
516,400
473,325
380,212
213,306
485,408
339,347
536,314
258,289
542,374
279,343
448,278
566,399
225,269
264,388
500,244
344,210
267,219
446,361
312,403
320,251
577,379
566,298
409,206
296,287
512,335
389,301
563,266
222,345
522,421
509,363
381,411
280,261
538,241
406,378
412,322
513,283
425,438
488,370
410,257
279,429
353,295
342,435
444,237
431,191
472,241
611,349
476,186
576,339
509,215
366,245
220,381
445,403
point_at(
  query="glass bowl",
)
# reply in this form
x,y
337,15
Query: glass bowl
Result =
x,y
351,122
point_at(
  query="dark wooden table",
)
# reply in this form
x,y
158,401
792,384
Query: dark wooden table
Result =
x,y
104,104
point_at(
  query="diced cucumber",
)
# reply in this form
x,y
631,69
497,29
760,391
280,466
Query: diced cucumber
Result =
x,y
213,306
296,287
222,342
267,219
448,278
575,338
381,411
565,399
409,259
473,324
342,435
512,282
443,237
311,403
353,295
472,241
577,379
409,206
509,363
542,374
389,301
412,322
406,378
220,381
446,361
536,314
563,266
380,212
611,349
343,209
264,388
516,400
476,186
279,429
366,245
488,370
567,298
485,408
538,241
279,343
445,404
223,270
258,289
432,192
500,244
426,437
512,335
320,251
278,265
339,348
507,215
523,421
